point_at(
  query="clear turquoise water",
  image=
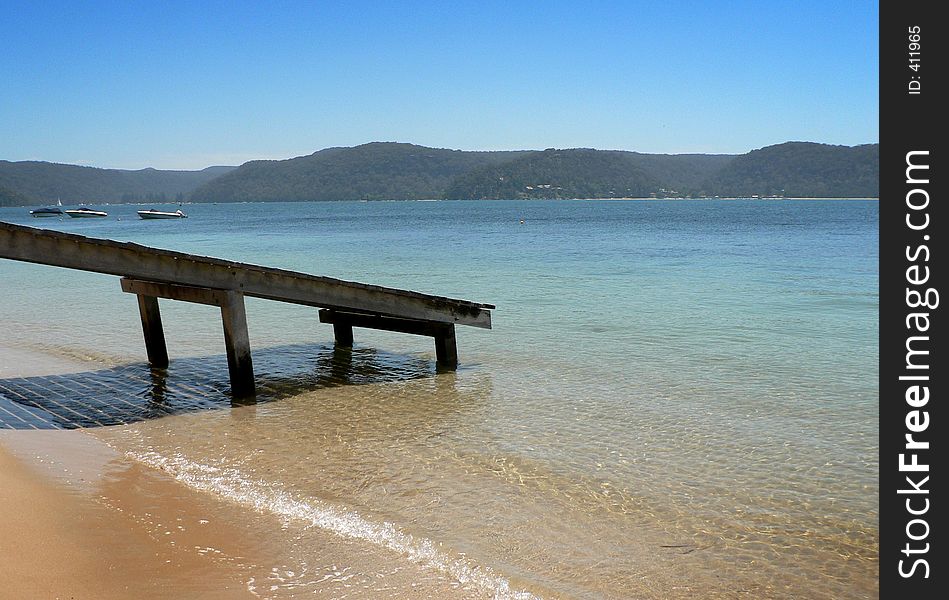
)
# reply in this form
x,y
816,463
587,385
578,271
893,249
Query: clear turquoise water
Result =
x,y
678,398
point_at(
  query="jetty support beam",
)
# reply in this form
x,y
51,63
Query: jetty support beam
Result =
x,y
343,333
446,350
240,367
154,333
236,340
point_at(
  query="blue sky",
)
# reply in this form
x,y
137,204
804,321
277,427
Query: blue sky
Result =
x,y
192,84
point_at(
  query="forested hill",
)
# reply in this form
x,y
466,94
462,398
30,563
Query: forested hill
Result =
x,y
396,171
793,169
374,171
393,171
11,198
33,182
580,173
801,169
585,173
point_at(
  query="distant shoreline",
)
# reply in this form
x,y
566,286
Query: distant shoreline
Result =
x,y
635,199
393,170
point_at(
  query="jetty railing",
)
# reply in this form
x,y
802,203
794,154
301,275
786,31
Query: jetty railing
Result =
x,y
152,273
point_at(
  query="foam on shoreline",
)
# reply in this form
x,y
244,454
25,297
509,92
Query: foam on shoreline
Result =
x,y
60,540
82,520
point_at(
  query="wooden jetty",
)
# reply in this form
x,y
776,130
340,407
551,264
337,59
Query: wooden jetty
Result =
x,y
152,273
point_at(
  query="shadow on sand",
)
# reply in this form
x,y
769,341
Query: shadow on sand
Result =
x,y
135,392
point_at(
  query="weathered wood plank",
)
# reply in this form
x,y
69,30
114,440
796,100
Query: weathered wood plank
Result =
x,y
343,333
60,249
154,333
237,343
199,295
412,326
446,348
240,366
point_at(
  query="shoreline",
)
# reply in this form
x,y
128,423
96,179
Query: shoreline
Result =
x,y
766,198
81,520
60,542
61,536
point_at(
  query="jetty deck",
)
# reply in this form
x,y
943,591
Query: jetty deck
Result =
x,y
153,273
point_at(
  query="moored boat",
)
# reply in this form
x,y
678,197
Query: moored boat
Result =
x,y
151,213
47,212
85,211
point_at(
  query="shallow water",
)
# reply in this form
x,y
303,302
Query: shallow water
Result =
x,y
678,399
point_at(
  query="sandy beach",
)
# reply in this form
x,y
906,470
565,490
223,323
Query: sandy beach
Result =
x,y
82,521
64,532
78,522
57,543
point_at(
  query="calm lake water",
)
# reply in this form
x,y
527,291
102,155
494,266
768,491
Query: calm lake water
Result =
x,y
678,398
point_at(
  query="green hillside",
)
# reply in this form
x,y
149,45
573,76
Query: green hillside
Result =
x,y
375,171
396,171
393,171
11,198
801,169
43,183
681,173
578,173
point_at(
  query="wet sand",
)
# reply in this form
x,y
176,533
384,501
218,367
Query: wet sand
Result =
x,y
79,520
58,541
64,535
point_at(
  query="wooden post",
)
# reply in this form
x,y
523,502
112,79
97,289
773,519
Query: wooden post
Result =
x,y
343,332
446,349
237,342
154,334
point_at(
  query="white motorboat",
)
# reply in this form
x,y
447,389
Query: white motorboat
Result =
x,y
151,213
85,211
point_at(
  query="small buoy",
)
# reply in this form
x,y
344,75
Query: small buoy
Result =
x,y
522,221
